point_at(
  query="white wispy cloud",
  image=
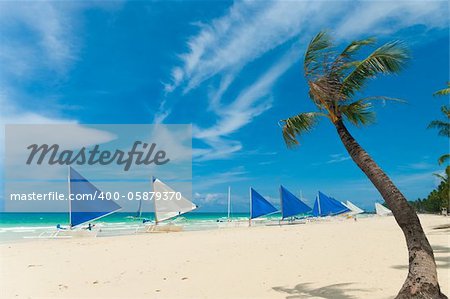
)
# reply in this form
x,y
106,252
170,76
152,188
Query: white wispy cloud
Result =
x,y
385,17
38,37
219,201
161,114
21,59
51,49
40,42
50,24
12,114
222,178
336,158
210,198
247,31
251,102
216,148
224,46
419,166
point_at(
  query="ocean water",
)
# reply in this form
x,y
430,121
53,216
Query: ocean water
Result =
x,y
23,226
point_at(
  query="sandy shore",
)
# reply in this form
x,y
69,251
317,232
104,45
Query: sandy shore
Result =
x,y
336,259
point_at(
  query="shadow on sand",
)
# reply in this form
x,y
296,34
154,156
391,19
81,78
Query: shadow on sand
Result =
x,y
333,291
441,255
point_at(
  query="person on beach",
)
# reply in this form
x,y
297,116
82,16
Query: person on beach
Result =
x,y
58,226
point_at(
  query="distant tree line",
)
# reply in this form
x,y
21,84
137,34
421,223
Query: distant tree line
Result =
x,y
437,199
440,197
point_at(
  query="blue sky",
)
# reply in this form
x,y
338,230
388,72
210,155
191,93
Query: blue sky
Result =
x,y
233,70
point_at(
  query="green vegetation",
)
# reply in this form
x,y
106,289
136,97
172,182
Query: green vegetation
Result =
x,y
440,197
443,126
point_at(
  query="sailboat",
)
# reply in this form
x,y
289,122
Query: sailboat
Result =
x,y
355,210
82,211
328,206
291,205
229,205
382,210
228,218
138,215
259,206
168,209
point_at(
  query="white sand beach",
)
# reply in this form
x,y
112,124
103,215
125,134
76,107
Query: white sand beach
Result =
x,y
334,259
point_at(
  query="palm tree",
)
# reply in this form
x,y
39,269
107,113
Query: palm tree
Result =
x,y
334,80
444,177
444,185
442,126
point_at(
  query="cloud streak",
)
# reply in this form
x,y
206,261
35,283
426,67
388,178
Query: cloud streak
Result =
x,y
251,102
41,44
337,158
247,31
50,25
222,178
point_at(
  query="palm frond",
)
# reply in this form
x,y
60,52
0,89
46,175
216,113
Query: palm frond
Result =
x,y
446,111
387,59
297,125
382,98
345,61
358,113
442,126
344,66
444,176
443,92
443,158
440,176
354,46
315,49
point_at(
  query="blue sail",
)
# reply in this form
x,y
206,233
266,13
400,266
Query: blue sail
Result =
x,y
259,205
85,210
327,206
291,205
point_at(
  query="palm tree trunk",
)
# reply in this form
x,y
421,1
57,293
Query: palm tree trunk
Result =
x,y
422,281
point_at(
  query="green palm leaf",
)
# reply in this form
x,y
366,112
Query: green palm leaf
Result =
x,y
315,49
343,62
442,126
382,98
387,59
443,158
446,111
358,113
443,92
355,46
297,125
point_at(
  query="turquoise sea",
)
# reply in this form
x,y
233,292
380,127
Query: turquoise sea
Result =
x,y
22,226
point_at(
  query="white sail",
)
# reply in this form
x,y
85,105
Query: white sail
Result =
x,y
382,210
355,209
170,206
